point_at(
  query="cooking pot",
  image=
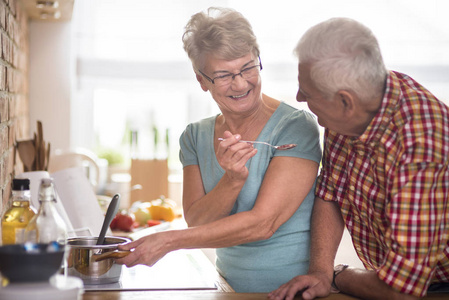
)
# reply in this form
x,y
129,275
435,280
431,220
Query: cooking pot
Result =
x,y
83,264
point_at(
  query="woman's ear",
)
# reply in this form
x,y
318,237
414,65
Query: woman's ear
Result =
x,y
202,83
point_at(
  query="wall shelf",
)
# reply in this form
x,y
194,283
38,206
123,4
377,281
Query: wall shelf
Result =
x,y
48,10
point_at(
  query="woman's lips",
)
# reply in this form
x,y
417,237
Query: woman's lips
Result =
x,y
240,96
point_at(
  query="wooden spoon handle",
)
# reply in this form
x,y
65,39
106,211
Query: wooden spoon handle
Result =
x,y
47,158
110,254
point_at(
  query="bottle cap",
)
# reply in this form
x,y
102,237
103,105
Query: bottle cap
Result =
x,y
20,184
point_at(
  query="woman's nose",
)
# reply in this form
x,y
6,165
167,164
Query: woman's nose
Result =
x,y
239,82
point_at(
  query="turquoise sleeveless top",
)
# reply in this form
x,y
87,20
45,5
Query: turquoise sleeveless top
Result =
x,y
260,266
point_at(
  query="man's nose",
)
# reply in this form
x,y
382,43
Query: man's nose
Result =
x,y
300,97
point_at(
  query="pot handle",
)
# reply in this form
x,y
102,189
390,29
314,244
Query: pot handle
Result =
x,y
110,254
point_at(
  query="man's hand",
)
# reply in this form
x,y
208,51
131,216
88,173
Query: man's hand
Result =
x,y
311,286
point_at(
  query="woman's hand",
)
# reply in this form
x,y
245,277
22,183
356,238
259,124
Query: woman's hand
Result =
x,y
201,208
145,251
233,156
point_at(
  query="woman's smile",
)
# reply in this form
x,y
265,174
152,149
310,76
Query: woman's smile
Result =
x,y
237,97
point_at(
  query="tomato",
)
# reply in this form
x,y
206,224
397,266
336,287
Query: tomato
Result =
x,y
124,221
153,223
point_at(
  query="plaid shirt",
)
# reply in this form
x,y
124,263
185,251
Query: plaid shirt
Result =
x,y
392,184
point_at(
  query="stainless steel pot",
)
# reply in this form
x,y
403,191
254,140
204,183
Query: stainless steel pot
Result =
x,y
82,262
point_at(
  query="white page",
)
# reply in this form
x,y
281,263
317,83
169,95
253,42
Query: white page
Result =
x,y
79,200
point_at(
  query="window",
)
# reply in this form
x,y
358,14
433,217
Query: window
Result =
x,y
133,75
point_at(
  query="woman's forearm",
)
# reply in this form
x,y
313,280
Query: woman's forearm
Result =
x,y
215,205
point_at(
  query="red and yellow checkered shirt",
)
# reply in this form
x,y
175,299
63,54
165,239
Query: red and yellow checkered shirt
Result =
x,y
392,184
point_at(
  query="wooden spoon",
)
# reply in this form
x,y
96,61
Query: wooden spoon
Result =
x,y
47,158
41,147
35,143
27,154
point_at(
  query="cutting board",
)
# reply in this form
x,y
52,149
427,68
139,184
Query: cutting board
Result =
x,y
152,175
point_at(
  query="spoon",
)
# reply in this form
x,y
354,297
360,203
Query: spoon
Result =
x,y
27,154
110,214
280,147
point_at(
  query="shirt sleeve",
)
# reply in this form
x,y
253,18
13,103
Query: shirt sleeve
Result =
x,y
326,188
187,142
300,128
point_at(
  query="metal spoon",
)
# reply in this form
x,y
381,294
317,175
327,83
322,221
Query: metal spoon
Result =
x,y
280,147
110,214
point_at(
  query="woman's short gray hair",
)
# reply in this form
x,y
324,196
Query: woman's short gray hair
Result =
x,y
222,32
343,55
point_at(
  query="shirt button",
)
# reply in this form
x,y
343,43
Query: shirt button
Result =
x,y
352,188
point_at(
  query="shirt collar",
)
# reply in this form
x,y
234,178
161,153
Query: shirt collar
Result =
x,y
383,118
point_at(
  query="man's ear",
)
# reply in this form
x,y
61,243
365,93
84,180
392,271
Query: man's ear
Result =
x,y
347,101
202,83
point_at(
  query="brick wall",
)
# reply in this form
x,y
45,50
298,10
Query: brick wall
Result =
x,y
14,115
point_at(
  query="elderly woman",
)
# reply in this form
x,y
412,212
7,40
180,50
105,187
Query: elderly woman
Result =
x,y
250,201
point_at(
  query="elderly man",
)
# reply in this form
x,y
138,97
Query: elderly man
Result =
x,y
385,170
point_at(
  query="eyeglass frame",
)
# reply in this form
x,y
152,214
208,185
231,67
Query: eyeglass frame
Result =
x,y
212,80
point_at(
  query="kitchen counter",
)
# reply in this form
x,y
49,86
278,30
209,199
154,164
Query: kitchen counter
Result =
x,y
185,275
189,275
202,295
178,270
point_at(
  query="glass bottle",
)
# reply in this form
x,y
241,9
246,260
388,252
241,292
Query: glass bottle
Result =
x,y
17,217
47,225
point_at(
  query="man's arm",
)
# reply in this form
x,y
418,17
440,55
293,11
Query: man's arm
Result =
x,y
326,233
365,284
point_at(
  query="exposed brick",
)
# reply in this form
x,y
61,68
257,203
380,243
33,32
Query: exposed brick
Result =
x,y
9,86
12,133
4,139
7,190
9,79
11,108
10,160
12,6
14,103
3,15
11,27
5,47
2,78
4,115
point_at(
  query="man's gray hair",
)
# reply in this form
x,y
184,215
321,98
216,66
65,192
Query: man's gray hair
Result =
x,y
343,54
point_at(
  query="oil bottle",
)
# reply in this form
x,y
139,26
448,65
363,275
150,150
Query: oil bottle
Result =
x,y
17,217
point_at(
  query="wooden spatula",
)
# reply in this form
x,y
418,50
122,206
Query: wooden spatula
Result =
x,y
27,154
41,146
